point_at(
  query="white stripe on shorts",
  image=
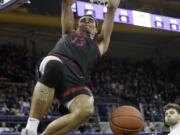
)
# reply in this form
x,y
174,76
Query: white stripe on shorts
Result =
x,y
45,61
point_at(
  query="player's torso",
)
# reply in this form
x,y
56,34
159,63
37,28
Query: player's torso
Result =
x,y
80,48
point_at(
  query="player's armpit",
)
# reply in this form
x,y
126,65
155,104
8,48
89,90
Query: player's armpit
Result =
x,y
101,47
101,44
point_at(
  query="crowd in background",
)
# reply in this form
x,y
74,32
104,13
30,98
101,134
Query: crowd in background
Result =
x,y
114,82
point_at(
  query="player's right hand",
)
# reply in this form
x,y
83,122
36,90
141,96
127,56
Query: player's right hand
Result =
x,y
113,3
70,2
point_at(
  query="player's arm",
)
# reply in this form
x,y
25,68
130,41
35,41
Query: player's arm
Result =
x,y
107,26
67,17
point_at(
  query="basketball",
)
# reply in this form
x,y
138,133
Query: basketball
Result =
x,y
126,120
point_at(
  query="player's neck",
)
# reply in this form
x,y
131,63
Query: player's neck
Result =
x,y
88,34
174,126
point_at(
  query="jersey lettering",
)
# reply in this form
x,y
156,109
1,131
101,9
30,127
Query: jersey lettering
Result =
x,y
78,40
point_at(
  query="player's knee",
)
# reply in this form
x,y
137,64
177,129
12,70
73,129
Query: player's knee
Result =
x,y
86,112
89,111
52,74
82,107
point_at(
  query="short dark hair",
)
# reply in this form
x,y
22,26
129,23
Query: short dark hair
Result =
x,y
172,106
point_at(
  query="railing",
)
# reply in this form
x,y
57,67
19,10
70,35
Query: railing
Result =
x,y
154,113
90,134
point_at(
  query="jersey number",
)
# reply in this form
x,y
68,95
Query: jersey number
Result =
x,y
78,41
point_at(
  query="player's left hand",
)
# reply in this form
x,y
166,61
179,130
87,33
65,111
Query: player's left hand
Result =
x,y
113,3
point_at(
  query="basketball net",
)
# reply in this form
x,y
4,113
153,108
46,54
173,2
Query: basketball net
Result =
x,y
99,2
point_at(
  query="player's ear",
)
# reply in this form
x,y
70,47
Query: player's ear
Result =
x,y
76,24
96,30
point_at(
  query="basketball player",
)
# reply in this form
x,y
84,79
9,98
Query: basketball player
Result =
x,y
172,118
63,73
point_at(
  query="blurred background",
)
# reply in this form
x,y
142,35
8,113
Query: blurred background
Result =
x,y
141,67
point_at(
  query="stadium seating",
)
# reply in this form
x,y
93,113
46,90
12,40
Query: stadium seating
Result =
x,y
115,82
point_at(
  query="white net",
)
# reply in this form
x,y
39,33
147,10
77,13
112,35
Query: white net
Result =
x,y
100,2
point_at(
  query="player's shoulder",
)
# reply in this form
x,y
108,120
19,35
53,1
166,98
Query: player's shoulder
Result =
x,y
69,33
178,129
175,131
170,133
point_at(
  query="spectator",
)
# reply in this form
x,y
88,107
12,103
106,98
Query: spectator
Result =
x,y
4,128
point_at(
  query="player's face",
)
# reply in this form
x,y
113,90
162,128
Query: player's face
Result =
x,y
87,24
171,117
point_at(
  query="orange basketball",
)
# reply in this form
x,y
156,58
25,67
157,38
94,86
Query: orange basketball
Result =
x,y
126,120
